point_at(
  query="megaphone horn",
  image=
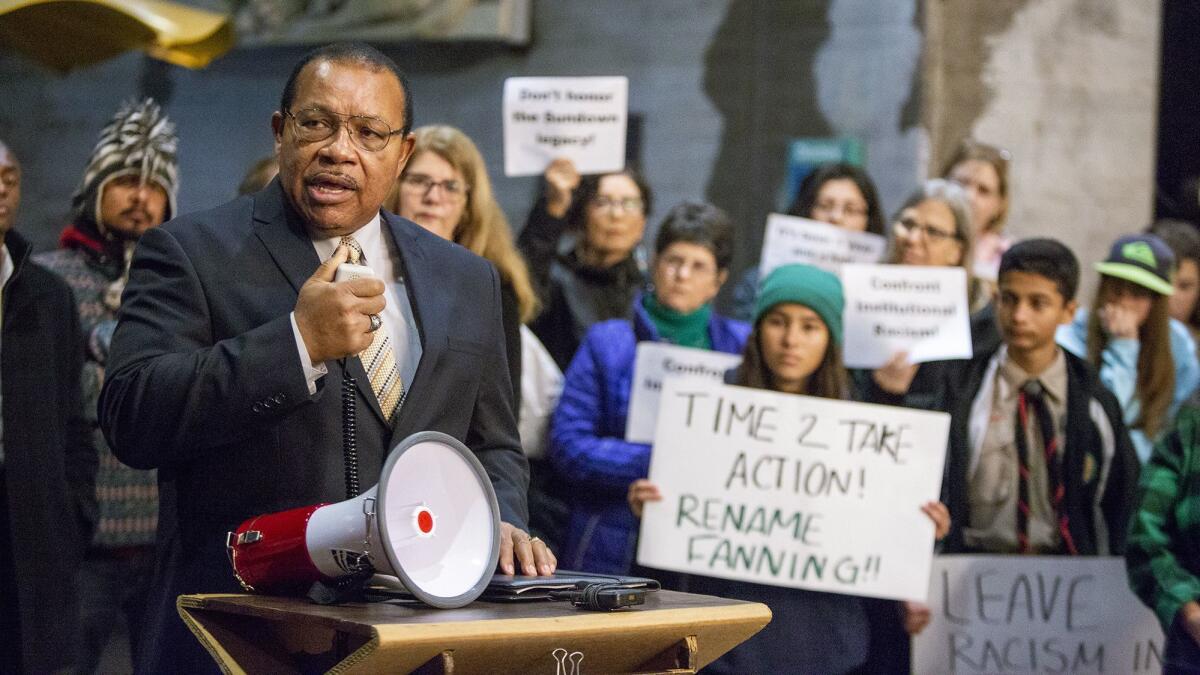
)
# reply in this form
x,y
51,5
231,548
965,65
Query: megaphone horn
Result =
x,y
432,522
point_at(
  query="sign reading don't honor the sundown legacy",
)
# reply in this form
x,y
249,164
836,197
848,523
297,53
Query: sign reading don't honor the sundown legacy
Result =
x,y
793,490
580,118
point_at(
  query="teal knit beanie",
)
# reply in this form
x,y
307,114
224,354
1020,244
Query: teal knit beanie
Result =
x,y
806,285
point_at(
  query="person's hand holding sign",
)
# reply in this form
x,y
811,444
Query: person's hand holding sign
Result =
x,y
640,492
916,615
896,376
561,180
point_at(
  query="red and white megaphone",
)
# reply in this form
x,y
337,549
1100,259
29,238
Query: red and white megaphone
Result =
x,y
432,522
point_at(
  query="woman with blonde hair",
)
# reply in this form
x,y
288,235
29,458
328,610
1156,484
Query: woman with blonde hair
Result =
x,y
445,189
982,170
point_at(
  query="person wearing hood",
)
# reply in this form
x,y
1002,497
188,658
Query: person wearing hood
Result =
x,y
47,461
128,187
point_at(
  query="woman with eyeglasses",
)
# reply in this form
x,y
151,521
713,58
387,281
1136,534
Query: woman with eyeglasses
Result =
x,y
838,193
931,229
982,170
591,457
581,242
445,189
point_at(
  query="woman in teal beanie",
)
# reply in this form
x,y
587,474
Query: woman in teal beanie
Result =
x,y
794,347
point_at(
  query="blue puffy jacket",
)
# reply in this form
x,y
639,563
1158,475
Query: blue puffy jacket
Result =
x,y
587,439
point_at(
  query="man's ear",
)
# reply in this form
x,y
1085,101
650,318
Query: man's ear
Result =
x,y
1068,312
277,121
406,151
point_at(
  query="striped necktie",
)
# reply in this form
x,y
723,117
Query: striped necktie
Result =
x,y
1033,395
379,360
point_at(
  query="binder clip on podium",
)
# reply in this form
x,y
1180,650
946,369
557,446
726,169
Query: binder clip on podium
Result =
x,y
430,528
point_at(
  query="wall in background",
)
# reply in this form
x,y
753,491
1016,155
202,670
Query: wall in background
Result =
x,y
721,87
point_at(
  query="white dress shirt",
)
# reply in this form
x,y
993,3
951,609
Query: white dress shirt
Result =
x,y
380,255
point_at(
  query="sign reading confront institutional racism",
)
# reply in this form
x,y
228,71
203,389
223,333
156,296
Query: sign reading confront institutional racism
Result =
x,y
1025,614
793,490
657,361
580,118
789,239
893,308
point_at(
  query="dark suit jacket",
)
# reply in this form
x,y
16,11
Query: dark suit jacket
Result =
x,y
49,467
205,383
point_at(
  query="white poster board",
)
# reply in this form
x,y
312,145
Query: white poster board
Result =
x,y
793,490
789,239
655,362
1032,614
892,308
580,118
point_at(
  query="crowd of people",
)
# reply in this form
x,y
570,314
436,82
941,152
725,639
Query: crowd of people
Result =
x,y
148,369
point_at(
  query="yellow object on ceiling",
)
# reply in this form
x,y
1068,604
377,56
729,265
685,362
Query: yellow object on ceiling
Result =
x,y
69,34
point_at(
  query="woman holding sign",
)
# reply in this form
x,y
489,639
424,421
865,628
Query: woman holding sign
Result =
x,y
587,434
581,243
837,193
795,348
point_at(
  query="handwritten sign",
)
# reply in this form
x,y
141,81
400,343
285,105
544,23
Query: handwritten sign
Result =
x,y
793,490
892,308
789,239
580,118
1029,614
655,362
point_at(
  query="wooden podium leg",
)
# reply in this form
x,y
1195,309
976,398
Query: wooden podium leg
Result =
x,y
679,659
442,664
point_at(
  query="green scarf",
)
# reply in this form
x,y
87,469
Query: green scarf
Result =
x,y
685,330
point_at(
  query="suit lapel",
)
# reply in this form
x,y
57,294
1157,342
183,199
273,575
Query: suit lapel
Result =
x,y
283,234
430,311
290,247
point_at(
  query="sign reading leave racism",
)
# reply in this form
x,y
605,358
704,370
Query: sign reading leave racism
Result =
x,y
580,118
892,308
657,361
1025,614
789,239
793,490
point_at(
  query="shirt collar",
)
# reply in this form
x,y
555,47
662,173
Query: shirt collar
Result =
x,y
369,236
1053,379
6,265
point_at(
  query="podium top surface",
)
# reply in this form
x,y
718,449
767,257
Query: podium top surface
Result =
x,y
671,632
369,618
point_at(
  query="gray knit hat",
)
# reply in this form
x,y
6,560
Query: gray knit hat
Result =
x,y
138,140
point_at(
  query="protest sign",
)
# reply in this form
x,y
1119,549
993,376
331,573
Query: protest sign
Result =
x,y
1031,614
656,361
793,490
892,308
580,118
789,239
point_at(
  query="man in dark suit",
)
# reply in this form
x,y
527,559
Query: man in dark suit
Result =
x,y
233,337
47,461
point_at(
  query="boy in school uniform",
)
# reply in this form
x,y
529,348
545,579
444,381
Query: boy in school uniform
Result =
x,y
1039,460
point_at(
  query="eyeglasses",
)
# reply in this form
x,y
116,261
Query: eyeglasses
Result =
x,y
626,203
423,184
369,133
695,268
907,226
848,209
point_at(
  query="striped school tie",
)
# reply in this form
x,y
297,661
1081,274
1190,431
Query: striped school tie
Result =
x,y
379,360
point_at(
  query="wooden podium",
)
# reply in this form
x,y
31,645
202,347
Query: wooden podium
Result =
x,y
671,633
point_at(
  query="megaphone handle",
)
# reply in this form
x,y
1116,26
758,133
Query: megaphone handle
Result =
x,y
349,432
